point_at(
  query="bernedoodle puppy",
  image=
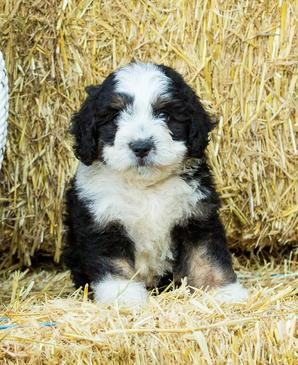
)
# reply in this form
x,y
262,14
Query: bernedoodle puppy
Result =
x,y
142,206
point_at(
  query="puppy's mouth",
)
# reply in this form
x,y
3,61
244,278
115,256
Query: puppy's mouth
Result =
x,y
143,162
149,163
145,166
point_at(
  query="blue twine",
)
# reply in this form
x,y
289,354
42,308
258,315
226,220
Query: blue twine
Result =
x,y
8,326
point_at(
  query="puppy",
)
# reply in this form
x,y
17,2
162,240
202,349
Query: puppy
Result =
x,y
142,206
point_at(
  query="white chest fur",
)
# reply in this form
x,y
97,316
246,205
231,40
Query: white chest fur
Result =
x,y
147,212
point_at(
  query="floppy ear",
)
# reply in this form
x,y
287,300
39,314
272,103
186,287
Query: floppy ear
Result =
x,y
200,127
84,128
190,109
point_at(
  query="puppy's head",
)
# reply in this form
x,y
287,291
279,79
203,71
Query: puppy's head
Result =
x,y
142,117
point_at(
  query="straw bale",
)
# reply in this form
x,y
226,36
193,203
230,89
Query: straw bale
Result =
x,y
46,323
240,57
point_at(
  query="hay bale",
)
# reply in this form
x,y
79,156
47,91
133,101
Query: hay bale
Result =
x,y
239,56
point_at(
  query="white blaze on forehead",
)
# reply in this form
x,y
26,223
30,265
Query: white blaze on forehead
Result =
x,y
143,81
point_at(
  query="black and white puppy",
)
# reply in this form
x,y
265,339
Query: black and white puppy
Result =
x,y
142,206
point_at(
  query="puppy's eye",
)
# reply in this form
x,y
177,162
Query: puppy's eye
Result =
x,y
162,115
106,117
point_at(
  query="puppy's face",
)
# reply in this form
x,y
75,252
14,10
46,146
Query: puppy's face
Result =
x,y
142,117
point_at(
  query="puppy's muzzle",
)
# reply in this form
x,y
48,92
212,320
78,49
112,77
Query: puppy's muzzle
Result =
x,y
141,147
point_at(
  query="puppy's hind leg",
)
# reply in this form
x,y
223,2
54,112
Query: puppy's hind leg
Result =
x,y
205,259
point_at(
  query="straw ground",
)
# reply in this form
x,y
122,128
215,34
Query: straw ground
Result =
x,y
54,325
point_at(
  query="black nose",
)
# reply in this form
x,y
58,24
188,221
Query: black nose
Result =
x,y
141,147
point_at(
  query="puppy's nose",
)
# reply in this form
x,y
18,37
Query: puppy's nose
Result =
x,y
141,147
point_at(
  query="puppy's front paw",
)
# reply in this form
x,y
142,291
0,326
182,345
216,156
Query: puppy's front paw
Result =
x,y
125,293
231,293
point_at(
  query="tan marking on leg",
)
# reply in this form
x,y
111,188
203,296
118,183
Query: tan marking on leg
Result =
x,y
125,268
203,273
